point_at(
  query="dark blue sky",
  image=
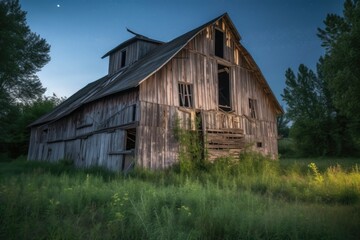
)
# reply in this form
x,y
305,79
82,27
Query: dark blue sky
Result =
x,y
278,34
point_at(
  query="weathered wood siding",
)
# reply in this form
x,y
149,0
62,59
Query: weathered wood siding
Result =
x,y
90,134
134,52
197,65
95,134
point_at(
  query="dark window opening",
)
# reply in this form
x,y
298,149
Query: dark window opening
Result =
x,y
134,113
259,144
130,139
123,58
185,95
252,107
224,88
219,43
130,146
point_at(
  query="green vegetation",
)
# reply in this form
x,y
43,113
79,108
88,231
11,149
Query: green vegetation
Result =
x,y
322,106
22,54
247,198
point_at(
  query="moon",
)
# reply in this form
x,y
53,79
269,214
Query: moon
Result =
x,y
58,5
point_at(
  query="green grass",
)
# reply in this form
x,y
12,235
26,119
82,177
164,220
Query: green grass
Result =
x,y
250,198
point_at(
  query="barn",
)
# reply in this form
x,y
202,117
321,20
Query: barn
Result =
x,y
128,116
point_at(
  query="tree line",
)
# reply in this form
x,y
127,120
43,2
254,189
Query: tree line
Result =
x,y
22,54
323,107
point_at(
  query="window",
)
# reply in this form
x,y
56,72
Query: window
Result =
x,y
224,88
252,107
185,95
259,144
219,43
123,58
133,113
130,144
130,139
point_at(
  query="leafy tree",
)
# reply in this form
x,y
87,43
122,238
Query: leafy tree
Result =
x,y
318,127
306,109
14,133
340,65
22,54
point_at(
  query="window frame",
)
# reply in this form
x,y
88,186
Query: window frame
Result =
x,y
123,58
217,47
186,92
226,108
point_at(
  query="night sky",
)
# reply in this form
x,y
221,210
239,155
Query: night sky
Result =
x,y
278,34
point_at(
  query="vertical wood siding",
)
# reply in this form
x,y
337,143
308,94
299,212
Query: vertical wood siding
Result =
x,y
89,134
197,65
134,52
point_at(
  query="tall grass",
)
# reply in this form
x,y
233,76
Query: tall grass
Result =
x,y
246,198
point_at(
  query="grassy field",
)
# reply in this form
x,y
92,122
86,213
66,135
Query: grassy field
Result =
x,y
250,198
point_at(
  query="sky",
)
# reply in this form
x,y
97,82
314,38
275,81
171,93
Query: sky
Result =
x,y
279,34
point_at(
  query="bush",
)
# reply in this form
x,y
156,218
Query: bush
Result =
x,y
286,148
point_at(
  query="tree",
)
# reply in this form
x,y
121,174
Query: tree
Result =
x,y
318,128
282,126
304,95
340,67
14,133
22,54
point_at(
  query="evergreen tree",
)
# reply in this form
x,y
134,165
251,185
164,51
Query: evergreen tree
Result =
x,y
340,65
318,128
304,97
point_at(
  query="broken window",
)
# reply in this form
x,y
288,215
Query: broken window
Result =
x,y
219,43
123,58
130,139
185,95
252,107
224,88
128,158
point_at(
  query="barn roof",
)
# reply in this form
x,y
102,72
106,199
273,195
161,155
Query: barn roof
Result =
x,y
135,74
137,37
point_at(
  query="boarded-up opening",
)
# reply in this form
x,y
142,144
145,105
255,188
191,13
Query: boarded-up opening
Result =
x,y
224,88
123,58
252,107
219,43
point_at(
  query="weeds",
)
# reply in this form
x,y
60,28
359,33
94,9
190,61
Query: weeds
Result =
x,y
246,198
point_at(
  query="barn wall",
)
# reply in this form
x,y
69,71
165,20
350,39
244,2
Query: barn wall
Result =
x,y
89,135
197,65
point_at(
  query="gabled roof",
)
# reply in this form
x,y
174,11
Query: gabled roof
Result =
x,y
135,74
138,37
